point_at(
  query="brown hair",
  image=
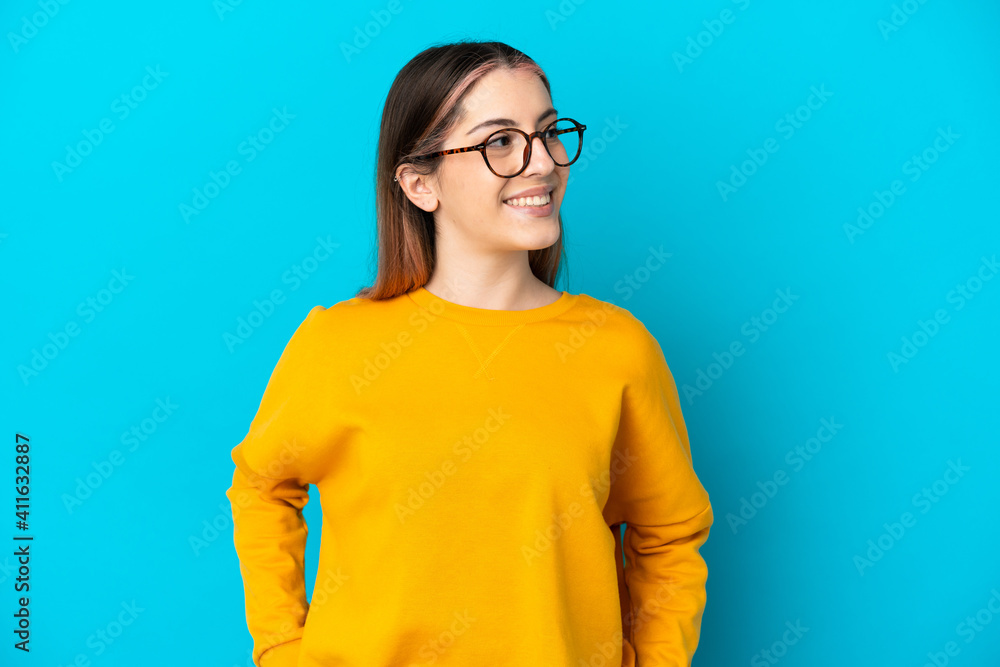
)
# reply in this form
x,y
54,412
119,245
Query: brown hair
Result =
x,y
423,104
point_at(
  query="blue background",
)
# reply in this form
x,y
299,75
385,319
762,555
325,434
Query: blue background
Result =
x,y
664,133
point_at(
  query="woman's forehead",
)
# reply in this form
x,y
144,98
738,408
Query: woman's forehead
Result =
x,y
520,98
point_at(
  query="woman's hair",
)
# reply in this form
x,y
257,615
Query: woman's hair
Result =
x,y
424,103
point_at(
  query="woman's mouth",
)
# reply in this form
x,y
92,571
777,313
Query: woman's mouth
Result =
x,y
539,205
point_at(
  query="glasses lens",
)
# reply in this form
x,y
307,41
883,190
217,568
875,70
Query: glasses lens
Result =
x,y
563,140
506,151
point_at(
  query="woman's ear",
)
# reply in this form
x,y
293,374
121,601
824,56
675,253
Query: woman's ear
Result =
x,y
421,189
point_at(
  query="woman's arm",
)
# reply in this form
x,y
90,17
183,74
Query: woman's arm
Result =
x,y
268,493
270,537
667,513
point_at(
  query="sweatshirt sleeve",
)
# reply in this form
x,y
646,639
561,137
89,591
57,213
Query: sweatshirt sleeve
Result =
x,y
267,495
655,491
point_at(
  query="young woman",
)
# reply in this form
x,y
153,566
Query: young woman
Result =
x,y
477,437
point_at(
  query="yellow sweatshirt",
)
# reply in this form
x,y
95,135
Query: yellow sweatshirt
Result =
x,y
473,467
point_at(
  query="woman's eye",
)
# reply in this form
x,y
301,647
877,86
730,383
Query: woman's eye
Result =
x,y
499,141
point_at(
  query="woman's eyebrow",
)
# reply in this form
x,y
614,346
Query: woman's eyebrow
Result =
x,y
507,122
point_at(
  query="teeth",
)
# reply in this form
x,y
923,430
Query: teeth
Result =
x,y
530,201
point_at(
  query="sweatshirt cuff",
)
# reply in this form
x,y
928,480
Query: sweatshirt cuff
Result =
x,y
282,655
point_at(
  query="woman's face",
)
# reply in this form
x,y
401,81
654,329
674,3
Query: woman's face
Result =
x,y
468,199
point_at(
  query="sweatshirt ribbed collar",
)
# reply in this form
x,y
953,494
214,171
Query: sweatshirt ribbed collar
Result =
x,y
469,315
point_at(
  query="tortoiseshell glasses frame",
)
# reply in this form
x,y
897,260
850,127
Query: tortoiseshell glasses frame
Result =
x,y
529,138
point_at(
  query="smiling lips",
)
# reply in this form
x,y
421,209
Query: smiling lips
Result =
x,y
538,200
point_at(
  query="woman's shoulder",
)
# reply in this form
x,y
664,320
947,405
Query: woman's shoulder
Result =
x,y
355,313
618,333
602,313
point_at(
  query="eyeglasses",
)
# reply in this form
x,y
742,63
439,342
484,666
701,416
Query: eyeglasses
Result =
x,y
507,152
